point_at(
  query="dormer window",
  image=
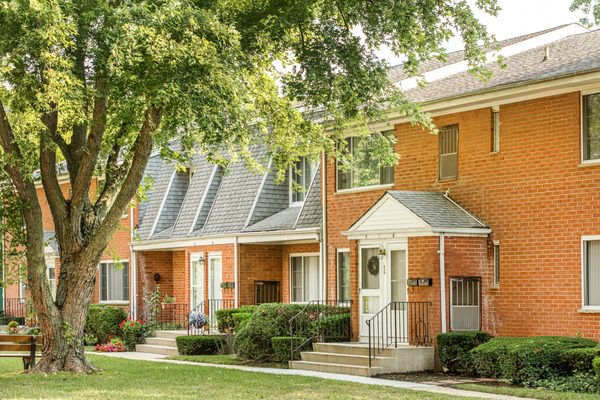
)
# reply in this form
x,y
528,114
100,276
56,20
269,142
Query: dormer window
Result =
x,y
301,175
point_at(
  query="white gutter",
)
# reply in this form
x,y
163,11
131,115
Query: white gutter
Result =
x,y
443,283
236,273
324,257
133,269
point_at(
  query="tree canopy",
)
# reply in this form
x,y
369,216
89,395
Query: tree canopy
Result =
x,y
590,9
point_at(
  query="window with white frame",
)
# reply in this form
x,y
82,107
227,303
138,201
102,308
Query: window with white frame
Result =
x,y
448,149
496,264
301,175
304,278
114,281
591,127
343,275
591,272
51,274
364,169
495,129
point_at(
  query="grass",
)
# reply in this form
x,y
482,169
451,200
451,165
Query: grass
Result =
x,y
225,359
127,379
542,394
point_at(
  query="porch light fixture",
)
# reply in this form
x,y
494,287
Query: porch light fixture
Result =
x,y
201,261
381,252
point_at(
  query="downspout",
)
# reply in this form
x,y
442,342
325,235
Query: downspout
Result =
x,y
443,282
324,225
133,294
236,291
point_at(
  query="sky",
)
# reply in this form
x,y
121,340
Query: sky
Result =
x,y
517,17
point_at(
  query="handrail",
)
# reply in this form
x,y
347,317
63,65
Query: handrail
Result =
x,y
311,323
397,323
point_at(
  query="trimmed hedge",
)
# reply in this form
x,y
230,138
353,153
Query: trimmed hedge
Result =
x,y
225,319
454,350
200,345
282,350
103,321
525,361
240,319
335,328
579,360
596,365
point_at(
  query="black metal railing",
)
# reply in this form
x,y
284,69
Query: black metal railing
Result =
x,y
320,321
167,316
399,322
17,309
206,312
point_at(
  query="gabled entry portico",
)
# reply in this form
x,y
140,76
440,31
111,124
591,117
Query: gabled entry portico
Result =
x,y
392,281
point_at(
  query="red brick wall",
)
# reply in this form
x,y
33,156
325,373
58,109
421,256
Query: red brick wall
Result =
x,y
533,194
258,263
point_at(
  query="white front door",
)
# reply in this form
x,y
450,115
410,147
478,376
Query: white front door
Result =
x,y
382,279
398,290
196,280
215,267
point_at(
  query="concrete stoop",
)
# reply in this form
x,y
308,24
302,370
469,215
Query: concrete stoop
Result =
x,y
353,359
163,343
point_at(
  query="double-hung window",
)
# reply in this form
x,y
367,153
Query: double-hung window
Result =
x,y
304,278
114,281
51,273
591,127
364,169
448,153
301,175
591,272
343,275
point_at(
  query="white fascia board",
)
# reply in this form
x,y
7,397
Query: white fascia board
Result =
x,y
392,234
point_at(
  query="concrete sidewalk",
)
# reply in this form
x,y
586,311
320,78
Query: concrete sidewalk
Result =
x,y
338,377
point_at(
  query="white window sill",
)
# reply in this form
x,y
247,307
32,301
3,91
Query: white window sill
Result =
x,y
589,163
114,303
589,310
365,188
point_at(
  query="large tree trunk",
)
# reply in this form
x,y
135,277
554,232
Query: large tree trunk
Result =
x,y
62,329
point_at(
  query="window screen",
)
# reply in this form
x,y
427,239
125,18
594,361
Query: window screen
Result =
x,y
448,146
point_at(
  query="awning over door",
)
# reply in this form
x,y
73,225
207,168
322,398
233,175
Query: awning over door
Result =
x,y
405,213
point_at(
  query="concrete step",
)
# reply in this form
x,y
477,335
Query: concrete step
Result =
x,y
345,359
157,341
150,348
335,368
170,334
357,349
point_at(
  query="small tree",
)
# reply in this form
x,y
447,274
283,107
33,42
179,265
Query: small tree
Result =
x,y
590,9
100,84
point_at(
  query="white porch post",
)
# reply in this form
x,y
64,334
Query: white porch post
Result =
x,y
442,283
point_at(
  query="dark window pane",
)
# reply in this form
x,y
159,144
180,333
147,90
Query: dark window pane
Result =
x,y
591,127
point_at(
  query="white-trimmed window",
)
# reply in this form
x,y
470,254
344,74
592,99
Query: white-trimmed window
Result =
x,y
496,264
495,129
448,149
114,281
591,127
51,274
591,271
365,170
301,175
343,274
304,278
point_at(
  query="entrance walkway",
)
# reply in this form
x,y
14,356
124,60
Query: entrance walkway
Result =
x,y
338,377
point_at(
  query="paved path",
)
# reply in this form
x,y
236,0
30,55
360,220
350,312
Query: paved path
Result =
x,y
338,377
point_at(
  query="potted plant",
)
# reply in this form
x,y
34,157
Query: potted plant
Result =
x,y
13,327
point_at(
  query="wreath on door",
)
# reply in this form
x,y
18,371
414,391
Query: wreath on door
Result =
x,y
373,265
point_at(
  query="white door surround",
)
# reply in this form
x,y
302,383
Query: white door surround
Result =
x,y
196,279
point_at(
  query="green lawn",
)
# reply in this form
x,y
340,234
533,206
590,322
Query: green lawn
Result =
x,y
542,394
226,359
125,379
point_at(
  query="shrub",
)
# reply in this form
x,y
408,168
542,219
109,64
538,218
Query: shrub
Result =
x,y
333,329
200,345
133,333
114,345
13,327
225,320
579,382
282,347
240,319
103,321
454,348
579,360
524,361
596,366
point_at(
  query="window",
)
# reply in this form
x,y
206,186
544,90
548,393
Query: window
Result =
x,y
448,147
495,129
51,274
114,281
496,264
304,278
591,127
465,312
22,289
301,176
364,170
591,272
343,274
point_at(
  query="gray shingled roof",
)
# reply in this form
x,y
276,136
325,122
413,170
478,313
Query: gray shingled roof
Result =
x,y
312,211
50,239
283,220
436,209
151,171
569,56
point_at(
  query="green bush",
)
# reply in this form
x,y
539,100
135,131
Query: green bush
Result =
x,y
454,347
524,361
240,319
579,360
200,345
282,347
579,382
596,366
103,321
253,341
225,320
333,329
